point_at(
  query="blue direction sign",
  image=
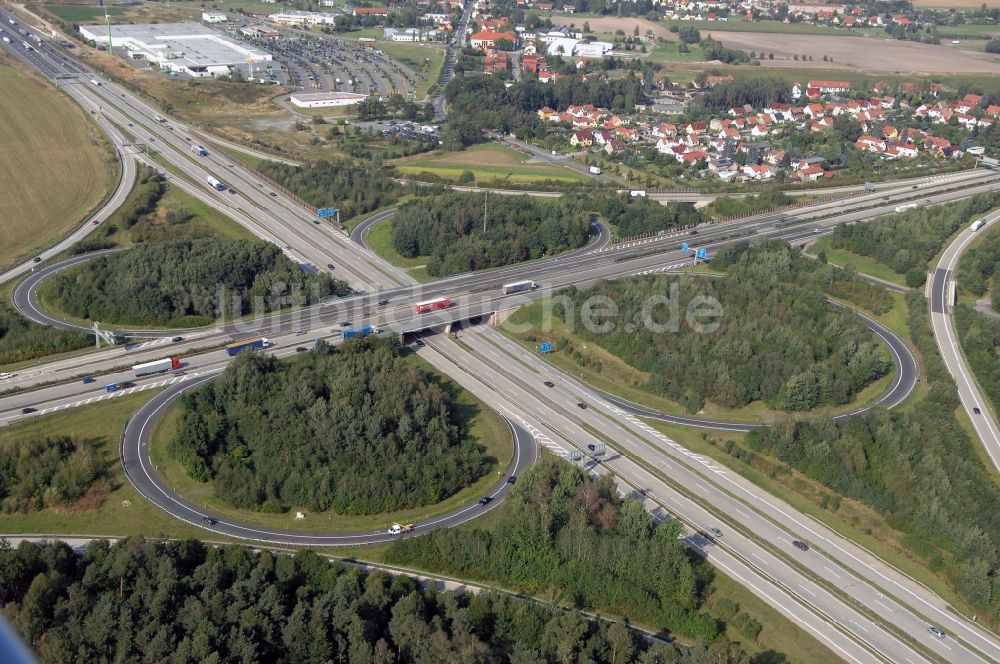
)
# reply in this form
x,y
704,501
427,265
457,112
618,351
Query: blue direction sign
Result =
x,y
321,212
546,347
331,212
701,253
685,247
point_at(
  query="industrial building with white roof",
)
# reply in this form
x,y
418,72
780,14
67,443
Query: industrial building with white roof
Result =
x,y
183,48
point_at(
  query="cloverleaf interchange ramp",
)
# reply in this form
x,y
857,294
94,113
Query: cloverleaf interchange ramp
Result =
x,y
837,605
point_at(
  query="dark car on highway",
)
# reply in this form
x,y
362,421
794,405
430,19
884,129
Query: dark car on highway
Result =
x,y
486,500
801,546
28,411
549,383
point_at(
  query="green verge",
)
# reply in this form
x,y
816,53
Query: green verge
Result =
x,y
863,264
379,240
489,164
124,511
485,426
624,381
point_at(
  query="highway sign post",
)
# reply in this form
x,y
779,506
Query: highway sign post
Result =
x,y
545,347
685,247
702,254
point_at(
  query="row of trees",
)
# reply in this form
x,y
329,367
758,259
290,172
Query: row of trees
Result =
x,y
50,472
351,188
907,241
559,529
980,339
757,92
777,339
462,232
167,282
359,430
917,467
144,601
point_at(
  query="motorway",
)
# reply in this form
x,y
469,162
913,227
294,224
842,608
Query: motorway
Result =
x,y
832,590
948,343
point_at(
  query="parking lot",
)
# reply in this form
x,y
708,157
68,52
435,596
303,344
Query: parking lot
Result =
x,y
413,131
322,64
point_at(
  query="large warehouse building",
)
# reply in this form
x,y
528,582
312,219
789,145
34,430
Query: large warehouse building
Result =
x,y
183,48
325,99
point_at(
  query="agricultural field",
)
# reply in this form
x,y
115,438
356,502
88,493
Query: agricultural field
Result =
x,y
669,51
55,167
862,53
83,13
489,164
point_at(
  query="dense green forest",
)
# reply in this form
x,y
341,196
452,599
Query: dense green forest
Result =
x,y
449,229
161,283
977,270
907,241
778,340
346,186
178,602
635,216
979,336
358,430
51,472
917,467
560,528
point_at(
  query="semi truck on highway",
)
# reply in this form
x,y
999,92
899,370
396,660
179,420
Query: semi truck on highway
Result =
x,y
365,331
904,208
519,286
156,366
215,184
977,224
247,344
431,305
199,150
595,170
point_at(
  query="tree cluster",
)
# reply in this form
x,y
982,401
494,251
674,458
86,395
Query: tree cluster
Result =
x,y
778,340
178,602
164,282
351,188
484,102
449,228
980,339
635,216
915,466
977,271
359,430
908,240
755,91
21,339
562,530
49,472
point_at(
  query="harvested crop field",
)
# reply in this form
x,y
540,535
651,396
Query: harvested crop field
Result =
x,y
55,167
956,4
612,23
861,52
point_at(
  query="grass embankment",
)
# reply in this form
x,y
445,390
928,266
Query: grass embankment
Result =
x,y
490,164
56,167
620,379
484,426
426,61
124,511
863,264
379,240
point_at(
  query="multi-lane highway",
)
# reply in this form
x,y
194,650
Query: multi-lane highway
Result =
x,y
861,607
976,404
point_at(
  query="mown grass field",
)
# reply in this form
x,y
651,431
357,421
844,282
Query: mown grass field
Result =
x,y
83,13
863,264
490,164
55,168
485,426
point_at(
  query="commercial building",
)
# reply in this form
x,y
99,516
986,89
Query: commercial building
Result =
x,y
489,38
214,17
181,48
325,99
305,19
410,34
